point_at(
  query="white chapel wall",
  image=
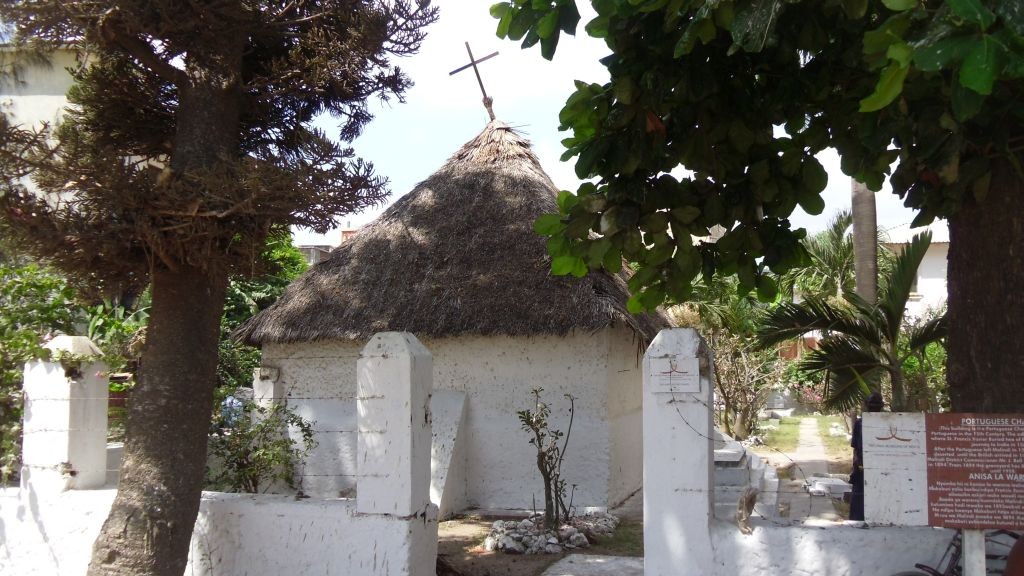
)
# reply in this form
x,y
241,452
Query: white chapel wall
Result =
x,y
497,374
625,413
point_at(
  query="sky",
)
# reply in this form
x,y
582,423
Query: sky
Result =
x,y
408,141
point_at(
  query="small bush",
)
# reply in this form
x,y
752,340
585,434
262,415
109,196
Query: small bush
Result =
x,y
253,449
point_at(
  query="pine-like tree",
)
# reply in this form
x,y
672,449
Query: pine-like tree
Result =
x,y
190,140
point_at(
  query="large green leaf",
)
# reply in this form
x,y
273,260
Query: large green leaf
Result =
x,y
565,265
754,24
942,53
981,65
974,11
548,24
890,85
966,102
899,5
548,224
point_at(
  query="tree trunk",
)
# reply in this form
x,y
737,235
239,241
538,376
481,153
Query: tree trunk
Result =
x,y
150,523
986,300
865,241
899,393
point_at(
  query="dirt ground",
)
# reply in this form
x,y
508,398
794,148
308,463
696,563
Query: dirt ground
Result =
x,y
460,551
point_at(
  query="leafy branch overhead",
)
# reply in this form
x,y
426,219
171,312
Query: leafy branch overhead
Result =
x,y
743,95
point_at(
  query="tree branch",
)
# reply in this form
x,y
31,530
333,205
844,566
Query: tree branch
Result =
x,y
113,32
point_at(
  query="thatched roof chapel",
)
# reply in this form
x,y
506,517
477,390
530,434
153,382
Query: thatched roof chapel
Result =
x,y
456,256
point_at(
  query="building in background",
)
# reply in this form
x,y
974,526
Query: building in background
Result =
x,y
929,291
33,88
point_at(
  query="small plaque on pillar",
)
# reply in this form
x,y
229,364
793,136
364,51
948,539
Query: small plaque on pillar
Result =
x,y
675,374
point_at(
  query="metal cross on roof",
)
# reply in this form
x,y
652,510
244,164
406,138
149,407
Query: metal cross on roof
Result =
x,y
488,101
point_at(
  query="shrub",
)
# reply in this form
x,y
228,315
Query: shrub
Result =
x,y
252,448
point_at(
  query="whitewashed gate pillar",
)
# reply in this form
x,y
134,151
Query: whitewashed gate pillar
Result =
x,y
678,455
65,419
394,379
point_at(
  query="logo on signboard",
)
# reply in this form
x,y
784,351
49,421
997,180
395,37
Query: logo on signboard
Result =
x,y
893,435
674,374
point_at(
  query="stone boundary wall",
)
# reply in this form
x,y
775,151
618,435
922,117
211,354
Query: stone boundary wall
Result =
x,y
48,525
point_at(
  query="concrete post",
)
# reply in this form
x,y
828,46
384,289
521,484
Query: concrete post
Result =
x,y
394,376
678,455
65,419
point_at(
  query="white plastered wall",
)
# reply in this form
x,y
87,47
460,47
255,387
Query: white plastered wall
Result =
x,y
497,374
625,414
36,92
931,281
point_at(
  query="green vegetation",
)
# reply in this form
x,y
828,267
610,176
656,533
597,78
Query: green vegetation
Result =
x,y
190,137
627,540
785,437
546,440
744,373
743,95
836,447
35,303
252,449
861,342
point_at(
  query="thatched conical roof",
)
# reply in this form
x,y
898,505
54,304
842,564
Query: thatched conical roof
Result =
x,y
456,256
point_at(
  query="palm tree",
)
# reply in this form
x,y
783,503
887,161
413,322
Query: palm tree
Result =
x,y
830,272
865,244
861,340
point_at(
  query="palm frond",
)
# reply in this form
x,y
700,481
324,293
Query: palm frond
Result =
x,y
854,369
892,298
831,269
931,331
843,353
861,305
847,392
794,320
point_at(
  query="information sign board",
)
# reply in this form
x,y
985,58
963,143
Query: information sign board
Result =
x,y
975,470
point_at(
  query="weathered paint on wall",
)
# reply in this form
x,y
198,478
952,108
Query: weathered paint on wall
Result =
x,y
255,535
815,551
625,415
65,427
448,452
389,530
497,374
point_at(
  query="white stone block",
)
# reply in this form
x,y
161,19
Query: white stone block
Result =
x,y
267,387
448,452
